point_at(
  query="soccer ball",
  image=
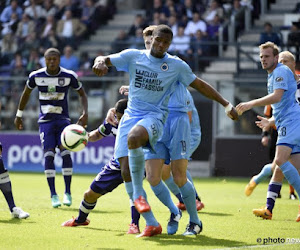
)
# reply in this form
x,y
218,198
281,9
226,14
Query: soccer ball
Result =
x,y
74,137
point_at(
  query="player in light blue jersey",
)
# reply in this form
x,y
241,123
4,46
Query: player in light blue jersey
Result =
x,y
53,83
286,58
109,177
286,115
153,77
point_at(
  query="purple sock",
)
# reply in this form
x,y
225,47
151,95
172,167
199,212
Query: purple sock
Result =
x,y
135,216
273,192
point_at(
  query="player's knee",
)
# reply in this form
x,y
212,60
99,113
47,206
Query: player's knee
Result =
x,y
90,196
179,180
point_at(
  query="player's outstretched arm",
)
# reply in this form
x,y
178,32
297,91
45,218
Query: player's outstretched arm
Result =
x,y
101,64
263,101
207,90
22,104
111,117
124,90
83,119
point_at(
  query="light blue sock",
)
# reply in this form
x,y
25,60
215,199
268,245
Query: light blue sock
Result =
x,y
149,216
129,189
162,193
264,173
172,186
292,175
137,166
188,175
188,196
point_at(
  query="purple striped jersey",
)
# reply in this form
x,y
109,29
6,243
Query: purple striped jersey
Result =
x,y
53,92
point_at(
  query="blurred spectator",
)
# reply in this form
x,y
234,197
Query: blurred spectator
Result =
x,y
31,42
12,8
68,60
169,8
294,38
11,26
65,5
8,46
120,43
33,61
139,23
35,12
157,7
25,27
155,19
172,23
17,67
269,35
237,11
50,8
199,47
51,41
180,44
194,25
213,10
88,16
70,30
49,25
213,28
137,42
85,65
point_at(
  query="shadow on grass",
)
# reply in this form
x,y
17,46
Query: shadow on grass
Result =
x,y
69,209
200,241
16,221
215,214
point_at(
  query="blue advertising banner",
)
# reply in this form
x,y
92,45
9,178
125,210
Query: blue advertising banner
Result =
x,y
23,152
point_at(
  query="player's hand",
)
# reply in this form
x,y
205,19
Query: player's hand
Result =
x,y
263,123
18,123
233,115
265,141
100,68
111,117
242,107
124,90
83,120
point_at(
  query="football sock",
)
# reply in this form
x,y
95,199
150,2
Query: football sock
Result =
x,y
67,170
273,191
292,175
5,186
129,189
137,166
188,196
135,215
292,190
188,175
264,173
173,188
50,171
163,194
84,209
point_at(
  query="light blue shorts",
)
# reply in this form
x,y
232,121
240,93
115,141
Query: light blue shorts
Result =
x,y
153,126
289,134
175,142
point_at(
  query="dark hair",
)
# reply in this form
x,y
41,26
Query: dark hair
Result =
x,y
121,105
51,51
163,28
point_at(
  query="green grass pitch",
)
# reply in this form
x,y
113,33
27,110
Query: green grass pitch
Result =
x,y
227,218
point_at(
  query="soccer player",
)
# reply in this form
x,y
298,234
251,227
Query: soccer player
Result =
x,y
108,179
5,186
53,83
286,115
288,59
181,102
153,77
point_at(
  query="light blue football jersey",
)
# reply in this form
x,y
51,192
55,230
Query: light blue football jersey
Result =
x,y
179,100
283,78
152,80
53,92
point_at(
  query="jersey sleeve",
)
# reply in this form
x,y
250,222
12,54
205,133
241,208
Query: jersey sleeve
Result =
x,y
121,60
75,83
281,78
186,76
31,82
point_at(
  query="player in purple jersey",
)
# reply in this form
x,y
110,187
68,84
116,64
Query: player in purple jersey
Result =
x,y
108,178
53,83
152,80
